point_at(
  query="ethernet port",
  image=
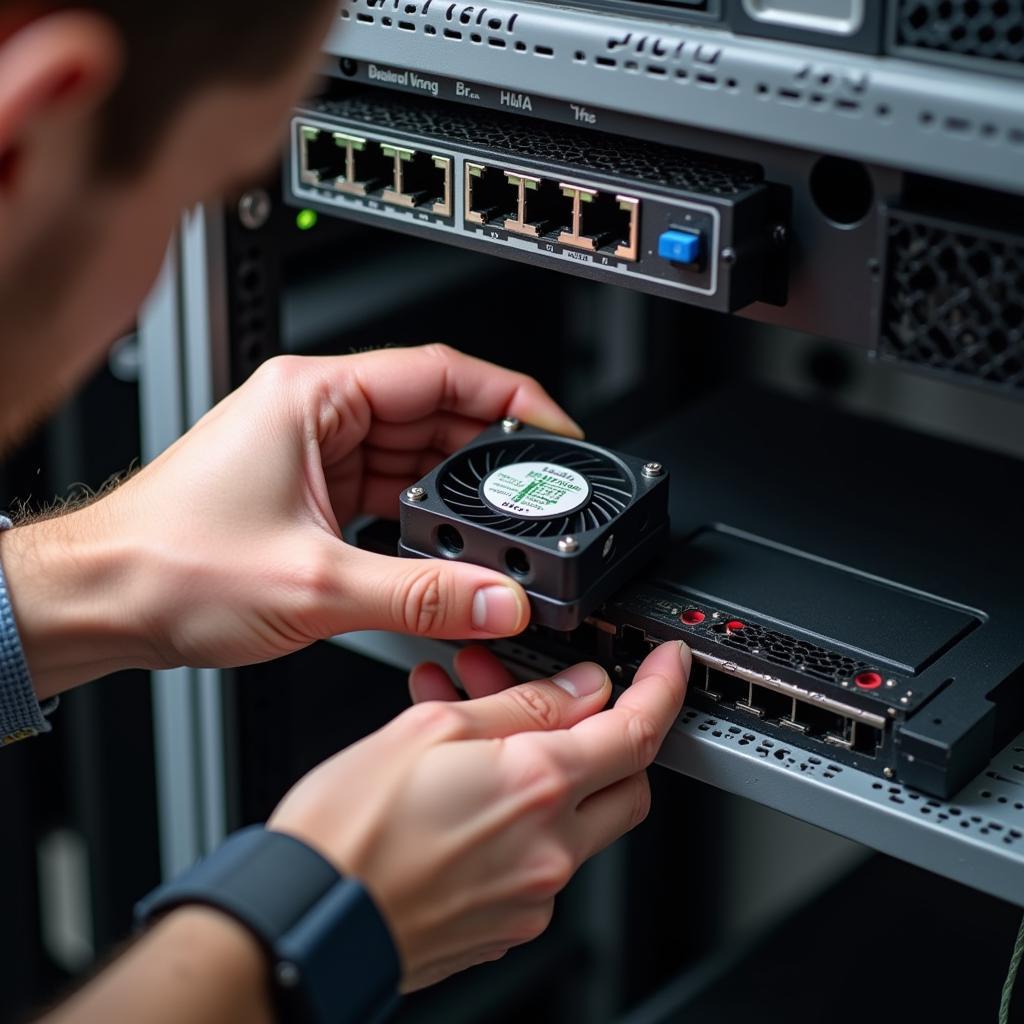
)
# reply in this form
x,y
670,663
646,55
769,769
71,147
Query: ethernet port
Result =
x,y
824,724
729,688
323,157
372,169
776,706
427,181
418,179
633,645
489,195
866,739
547,210
613,223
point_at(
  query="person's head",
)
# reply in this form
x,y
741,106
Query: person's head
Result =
x,y
115,115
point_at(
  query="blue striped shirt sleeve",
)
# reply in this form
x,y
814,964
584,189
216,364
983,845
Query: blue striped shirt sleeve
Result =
x,y
21,715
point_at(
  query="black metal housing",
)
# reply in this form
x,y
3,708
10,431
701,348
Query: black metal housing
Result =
x,y
609,539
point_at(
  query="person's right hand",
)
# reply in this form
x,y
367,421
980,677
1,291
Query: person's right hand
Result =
x,y
465,819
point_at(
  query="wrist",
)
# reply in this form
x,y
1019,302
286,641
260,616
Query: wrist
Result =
x,y
205,940
330,953
75,594
196,964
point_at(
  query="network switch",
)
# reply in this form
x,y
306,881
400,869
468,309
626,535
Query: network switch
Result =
x,y
662,219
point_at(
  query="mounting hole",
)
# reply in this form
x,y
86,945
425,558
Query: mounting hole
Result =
x,y
348,67
450,542
936,721
842,190
517,562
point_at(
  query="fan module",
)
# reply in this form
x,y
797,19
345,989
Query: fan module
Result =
x,y
568,520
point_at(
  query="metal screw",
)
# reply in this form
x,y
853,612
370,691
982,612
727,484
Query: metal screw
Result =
x,y
892,712
904,700
890,683
653,469
567,545
728,255
254,209
888,773
287,974
416,494
779,234
510,425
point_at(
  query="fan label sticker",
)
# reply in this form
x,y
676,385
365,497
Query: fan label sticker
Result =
x,y
536,490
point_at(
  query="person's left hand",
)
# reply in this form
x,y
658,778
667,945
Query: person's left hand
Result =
x,y
226,550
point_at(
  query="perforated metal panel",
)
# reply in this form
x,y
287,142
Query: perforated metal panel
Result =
x,y
976,838
595,151
969,31
955,300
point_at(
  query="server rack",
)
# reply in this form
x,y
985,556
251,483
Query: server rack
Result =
x,y
239,288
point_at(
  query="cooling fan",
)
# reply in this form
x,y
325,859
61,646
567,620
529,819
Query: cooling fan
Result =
x,y
569,520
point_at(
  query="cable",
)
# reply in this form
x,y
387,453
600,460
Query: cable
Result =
x,y
1011,976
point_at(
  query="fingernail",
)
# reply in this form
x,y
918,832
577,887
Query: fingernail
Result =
x,y
687,658
496,610
581,680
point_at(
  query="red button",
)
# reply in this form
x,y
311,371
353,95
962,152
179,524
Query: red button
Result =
x,y
868,680
734,626
693,616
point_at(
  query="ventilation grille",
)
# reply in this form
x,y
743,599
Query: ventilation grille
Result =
x,y
779,648
611,489
640,7
974,29
518,137
955,300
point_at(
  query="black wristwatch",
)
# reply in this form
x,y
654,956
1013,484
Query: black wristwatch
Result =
x,y
332,958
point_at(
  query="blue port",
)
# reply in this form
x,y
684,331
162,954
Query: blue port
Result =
x,y
680,246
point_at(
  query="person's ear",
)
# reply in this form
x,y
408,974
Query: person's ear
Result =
x,y
56,71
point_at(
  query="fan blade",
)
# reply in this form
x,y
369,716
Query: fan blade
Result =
x,y
606,489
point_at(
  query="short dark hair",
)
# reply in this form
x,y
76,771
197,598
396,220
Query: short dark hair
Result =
x,y
176,47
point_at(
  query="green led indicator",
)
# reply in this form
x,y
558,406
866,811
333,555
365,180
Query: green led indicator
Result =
x,y
306,220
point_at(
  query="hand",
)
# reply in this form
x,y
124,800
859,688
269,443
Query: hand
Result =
x,y
226,550
465,819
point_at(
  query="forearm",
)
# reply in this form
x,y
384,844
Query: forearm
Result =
x,y
75,595
197,966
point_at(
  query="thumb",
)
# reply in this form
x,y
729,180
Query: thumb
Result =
x,y
428,597
541,706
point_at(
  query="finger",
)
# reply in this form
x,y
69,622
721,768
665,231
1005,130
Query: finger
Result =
x,y
481,673
542,706
407,386
381,494
443,431
422,597
625,740
608,815
431,682
409,465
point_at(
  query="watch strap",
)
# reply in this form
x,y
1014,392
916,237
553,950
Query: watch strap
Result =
x,y
332,956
